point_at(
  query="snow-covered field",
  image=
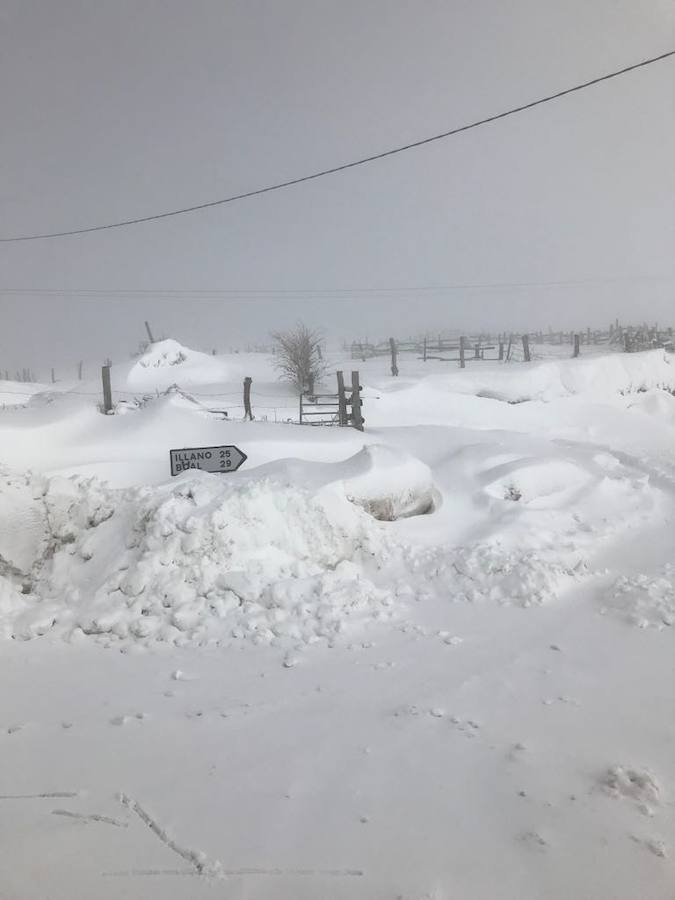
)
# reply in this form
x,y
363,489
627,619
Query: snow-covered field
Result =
x,y
430,661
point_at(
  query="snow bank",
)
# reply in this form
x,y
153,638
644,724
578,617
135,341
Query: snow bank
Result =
x,y
19,393
168,362
598,376
198,560
277,553
658,404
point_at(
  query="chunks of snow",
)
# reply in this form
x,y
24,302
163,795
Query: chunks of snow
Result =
x,y
198,560
647,601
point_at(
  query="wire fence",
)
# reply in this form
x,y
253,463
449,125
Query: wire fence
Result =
x,y
228,403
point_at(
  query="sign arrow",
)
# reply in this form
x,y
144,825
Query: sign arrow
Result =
x,y
210,459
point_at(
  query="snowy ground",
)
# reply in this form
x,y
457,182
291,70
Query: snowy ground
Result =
x,y
429,661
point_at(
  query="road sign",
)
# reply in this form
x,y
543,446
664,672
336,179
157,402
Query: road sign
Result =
x,y
210,459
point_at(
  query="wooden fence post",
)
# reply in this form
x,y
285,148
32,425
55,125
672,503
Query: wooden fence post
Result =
x,y
501,350
79,371
342,399
150,337
576,346
357,417
425,348
461,352
107,390
247,399
53,377
392,347
526,348
476,351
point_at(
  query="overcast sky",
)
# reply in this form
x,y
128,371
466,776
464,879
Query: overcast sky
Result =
x,y
113,109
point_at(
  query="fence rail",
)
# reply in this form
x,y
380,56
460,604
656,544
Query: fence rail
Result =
x,y
501,346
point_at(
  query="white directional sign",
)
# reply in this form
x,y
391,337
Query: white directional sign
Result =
x,y
210,459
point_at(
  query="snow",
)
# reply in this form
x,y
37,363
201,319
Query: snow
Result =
x,y
200,560
13,393
430,660
168,362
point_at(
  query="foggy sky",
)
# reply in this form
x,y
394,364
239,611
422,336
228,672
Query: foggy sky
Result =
x,y
111,109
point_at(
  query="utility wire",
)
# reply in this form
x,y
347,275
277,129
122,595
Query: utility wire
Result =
x,y
299,294
344,166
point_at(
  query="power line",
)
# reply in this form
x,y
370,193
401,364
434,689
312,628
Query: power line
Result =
x,y
299,294
344,166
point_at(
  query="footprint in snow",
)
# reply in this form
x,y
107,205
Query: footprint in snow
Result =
x,y
654,845
634,784
516,751
180,675
468,727
533,840
123,720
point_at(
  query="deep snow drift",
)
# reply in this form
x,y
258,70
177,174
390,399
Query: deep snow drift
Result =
x,y
431,660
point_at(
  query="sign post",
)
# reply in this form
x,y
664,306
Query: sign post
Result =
x,y
210,459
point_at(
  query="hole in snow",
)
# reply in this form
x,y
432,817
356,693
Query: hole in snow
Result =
x,y
391,509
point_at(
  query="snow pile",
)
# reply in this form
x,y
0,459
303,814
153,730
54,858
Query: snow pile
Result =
x,y
198,560
647,601
488,572
386,482
168,362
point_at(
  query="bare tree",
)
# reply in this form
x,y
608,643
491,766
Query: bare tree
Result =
x,y
298,357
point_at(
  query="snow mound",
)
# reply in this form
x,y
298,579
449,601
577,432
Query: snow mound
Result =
x,y
198,560
487,572
168,362
647,601
386,482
